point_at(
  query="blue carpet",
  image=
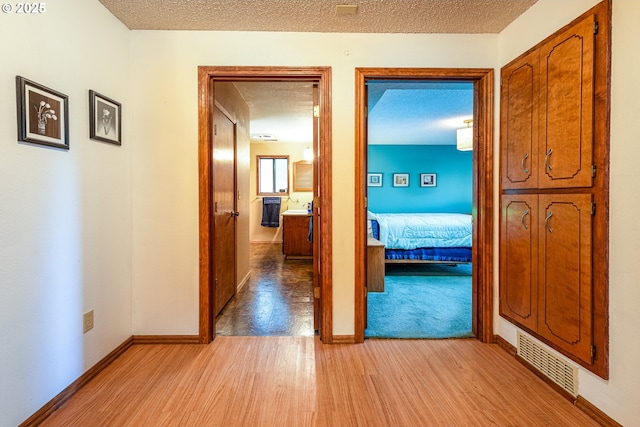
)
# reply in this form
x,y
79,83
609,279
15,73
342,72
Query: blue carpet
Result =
x,y
421,306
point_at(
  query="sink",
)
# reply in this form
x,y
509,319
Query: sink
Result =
x,y
295,212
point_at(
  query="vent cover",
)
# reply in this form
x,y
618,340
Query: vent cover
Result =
x,y
560,372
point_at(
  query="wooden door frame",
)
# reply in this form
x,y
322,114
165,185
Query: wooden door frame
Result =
x,y
482,203
207,76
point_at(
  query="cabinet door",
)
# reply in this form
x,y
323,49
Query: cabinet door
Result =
x,y
566,108
519,259
565,286
519,118
295,235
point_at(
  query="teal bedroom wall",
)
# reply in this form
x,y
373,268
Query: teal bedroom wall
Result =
x,y
453,169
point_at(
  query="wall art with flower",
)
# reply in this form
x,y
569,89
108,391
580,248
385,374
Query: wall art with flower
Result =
x,y
104,116
43,114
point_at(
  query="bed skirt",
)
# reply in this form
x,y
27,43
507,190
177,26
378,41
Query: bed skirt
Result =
x,y
454,255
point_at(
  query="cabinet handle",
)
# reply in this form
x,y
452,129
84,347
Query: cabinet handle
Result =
x,y
546,159
524,159
546,221
524,215
235,213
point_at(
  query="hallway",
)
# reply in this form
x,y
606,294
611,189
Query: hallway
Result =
x,y
277,300
300,382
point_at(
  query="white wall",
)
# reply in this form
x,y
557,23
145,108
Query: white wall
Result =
x,y
619,396
164,67
65,216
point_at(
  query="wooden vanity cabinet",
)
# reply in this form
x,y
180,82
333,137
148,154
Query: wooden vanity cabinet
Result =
x,y
295,236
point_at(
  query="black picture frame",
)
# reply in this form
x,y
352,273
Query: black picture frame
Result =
x,y
105,119
43,114
427,180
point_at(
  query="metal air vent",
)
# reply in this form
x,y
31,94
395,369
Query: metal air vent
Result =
x,y
559,371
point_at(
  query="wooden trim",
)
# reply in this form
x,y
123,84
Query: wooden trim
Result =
x,y
165,339
205,196
505,345
590,409
583,404
344,339
483,204
601,132
43,413
207,75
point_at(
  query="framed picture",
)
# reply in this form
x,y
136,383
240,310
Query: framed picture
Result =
x,y
374,180
43,114
427,180
400,179
105,119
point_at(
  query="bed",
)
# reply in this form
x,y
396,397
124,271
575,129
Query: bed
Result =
x,y
423,237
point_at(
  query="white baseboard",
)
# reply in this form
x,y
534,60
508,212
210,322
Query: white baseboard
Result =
x,y
244,281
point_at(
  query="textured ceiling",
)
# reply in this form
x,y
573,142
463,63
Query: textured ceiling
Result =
x,y
399,112
281,111
372,16
418,113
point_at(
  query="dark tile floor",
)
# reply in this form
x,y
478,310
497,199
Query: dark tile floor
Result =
x,y
277,300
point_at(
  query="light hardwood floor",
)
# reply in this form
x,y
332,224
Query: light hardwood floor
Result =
x,y
298,381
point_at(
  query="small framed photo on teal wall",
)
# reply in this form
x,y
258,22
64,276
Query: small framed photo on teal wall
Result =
x,y
400,179
427,180
374,179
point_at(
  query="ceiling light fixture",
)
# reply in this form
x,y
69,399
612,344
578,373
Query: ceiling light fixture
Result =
x,y
465,137
267,137
308,154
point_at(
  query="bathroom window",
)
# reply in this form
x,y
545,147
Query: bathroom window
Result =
x,y
273,175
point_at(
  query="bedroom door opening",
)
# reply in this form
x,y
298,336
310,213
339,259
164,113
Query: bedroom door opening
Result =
x,y
218,89
403,177
419,199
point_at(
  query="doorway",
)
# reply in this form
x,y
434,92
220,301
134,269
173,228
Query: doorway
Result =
x,y
482,199
275,189
320,76
420,222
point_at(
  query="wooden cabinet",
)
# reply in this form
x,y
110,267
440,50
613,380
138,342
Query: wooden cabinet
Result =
x,y
295,236
547,113
375,265
549,189
564,300
545,275
519,130
519,260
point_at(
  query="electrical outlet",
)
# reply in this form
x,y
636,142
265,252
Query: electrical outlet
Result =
x,y
87,322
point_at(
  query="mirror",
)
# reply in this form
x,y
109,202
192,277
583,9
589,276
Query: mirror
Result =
x,y
303,176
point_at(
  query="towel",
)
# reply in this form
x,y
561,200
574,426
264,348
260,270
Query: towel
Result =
x,y
310,210
271,212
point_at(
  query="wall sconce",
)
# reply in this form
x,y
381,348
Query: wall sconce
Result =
x,y
465,137
308,154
